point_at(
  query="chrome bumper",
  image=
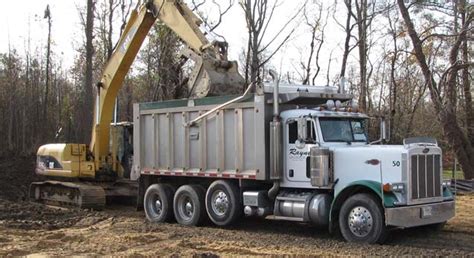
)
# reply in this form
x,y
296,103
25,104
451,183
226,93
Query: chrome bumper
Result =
x,y
419,215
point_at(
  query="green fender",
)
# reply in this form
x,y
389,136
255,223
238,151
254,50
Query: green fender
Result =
x,y
388,198
447,194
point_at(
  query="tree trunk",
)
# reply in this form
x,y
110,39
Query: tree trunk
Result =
x,y
88,84
362,32
48,56
466,83
348,30
446,111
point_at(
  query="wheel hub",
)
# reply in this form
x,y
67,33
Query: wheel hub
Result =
x,y
360,221
156,205
220,203
188,208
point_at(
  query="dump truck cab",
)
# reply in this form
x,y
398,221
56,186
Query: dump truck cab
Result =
x,y
329,149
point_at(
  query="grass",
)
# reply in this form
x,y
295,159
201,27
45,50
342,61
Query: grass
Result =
x,y
448,174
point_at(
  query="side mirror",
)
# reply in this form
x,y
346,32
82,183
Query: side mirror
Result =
x,y
302,130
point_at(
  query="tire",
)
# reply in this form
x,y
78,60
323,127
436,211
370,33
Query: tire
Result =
x,y
361,220
188,205
223,203
158,203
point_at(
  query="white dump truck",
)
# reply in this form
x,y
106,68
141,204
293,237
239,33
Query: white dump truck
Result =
x,y
284,152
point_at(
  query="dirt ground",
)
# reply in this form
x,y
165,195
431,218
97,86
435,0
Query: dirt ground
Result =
x,y
27,229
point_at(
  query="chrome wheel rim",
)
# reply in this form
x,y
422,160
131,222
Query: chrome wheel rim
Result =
x,y
219,203
185,207
156,205
360,221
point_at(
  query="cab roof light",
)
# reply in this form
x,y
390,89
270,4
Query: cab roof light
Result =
x,y
330,104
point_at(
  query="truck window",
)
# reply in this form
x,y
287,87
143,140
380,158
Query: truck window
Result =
x,y
310,132
292,132
343,129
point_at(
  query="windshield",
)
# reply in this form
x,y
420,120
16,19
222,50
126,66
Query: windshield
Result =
x,y
343,129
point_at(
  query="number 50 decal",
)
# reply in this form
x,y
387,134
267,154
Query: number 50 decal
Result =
x,y
395,163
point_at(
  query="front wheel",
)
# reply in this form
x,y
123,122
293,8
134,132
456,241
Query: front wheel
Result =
x,y
361,220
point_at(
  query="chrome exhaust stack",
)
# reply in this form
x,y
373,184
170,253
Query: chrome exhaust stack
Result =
x,y
276,148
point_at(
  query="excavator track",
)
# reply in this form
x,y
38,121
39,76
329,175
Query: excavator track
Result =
x,y
69,194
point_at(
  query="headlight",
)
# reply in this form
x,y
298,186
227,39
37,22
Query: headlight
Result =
x,y
446,183
394,187
398,187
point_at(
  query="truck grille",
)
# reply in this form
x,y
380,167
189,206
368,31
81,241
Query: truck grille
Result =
x,y
425,176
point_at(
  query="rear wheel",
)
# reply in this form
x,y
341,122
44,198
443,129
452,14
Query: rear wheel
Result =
x,y
188,205
158,203
361,220
223,202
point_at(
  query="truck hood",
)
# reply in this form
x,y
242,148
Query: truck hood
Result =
x,y
351,164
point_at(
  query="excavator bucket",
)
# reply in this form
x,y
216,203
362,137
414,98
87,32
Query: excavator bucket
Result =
x,y
216,81
212,77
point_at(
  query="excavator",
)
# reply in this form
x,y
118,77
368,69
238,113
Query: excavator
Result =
x,y
87,176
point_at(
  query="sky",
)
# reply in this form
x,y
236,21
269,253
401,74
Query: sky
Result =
x,y
22,18
18,19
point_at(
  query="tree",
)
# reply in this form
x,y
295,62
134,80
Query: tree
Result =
x,y
162,77
47,15
88,84
443,91
317,25
258,16
465,11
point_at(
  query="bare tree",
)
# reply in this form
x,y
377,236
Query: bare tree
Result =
x,y
465,11
88,84
393,32
348,27
47,15
222,10
258,15
317,24
444,104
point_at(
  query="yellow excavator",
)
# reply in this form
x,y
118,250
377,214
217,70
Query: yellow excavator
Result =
x,y
86,176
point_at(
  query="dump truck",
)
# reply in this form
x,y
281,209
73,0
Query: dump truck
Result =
x,y
284,152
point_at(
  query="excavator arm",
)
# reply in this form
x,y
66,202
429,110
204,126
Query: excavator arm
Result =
x,y
213,73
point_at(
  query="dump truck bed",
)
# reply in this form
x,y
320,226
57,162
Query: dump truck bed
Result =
x,y
230,143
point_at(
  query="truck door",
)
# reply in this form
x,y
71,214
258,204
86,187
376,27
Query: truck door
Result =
x,y
300,136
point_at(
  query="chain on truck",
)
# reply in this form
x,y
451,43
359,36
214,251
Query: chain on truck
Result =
x,y
284,152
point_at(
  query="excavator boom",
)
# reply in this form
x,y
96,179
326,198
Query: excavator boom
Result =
x,y
213,74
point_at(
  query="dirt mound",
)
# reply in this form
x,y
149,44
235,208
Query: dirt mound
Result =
x,y
31,216
16,174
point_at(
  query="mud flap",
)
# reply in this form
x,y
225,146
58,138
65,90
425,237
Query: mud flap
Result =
x,y
143,183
